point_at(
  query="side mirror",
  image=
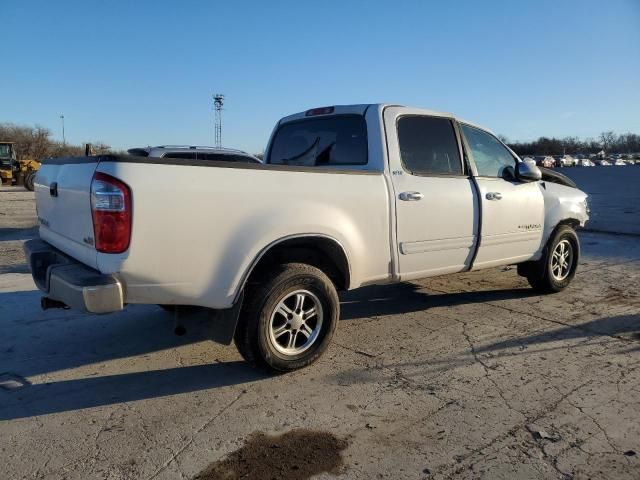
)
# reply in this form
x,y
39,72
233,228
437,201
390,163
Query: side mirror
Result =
x,y
528,172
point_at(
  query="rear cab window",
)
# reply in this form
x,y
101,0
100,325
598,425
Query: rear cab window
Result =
x,y
327,141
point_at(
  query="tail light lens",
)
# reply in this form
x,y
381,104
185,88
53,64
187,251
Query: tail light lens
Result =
x,y
111,212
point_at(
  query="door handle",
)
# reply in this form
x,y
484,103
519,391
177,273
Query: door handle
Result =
x,y
411,196
494,196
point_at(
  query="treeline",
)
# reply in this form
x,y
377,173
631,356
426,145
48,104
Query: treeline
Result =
x,y
36,143
607,141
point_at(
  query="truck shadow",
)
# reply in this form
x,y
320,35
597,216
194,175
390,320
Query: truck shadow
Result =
x,y
380,300
14,268
69,395
13,233
624,328
34,342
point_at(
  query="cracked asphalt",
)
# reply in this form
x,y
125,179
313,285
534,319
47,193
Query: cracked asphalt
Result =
x,y
465,376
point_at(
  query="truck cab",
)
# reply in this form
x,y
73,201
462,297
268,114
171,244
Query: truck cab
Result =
x,y
459,198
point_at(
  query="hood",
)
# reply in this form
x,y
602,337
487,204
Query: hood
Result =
x,y
549,175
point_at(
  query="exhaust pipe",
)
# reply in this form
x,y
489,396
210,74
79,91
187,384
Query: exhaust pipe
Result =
x,y
46,303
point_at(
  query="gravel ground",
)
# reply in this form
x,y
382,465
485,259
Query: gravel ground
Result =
x,y
464,376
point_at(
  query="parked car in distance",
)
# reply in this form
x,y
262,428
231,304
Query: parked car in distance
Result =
x,y
347,196
191,152
568,161
545,161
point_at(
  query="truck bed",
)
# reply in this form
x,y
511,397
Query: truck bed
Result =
x,y
198,225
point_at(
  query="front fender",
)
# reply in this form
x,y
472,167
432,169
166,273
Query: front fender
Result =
x,y
562,204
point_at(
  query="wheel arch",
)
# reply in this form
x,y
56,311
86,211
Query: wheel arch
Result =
x,y
550,231
571,222
320,250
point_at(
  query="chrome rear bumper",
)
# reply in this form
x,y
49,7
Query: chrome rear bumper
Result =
x,y
68,281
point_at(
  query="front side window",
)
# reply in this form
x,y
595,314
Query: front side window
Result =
x,y
428,146
490,156
338,140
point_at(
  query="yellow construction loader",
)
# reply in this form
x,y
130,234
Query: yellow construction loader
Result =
x,y
16,172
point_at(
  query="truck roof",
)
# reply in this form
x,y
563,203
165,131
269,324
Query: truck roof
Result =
x,y
360,109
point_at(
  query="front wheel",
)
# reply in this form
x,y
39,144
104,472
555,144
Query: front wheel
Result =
x,y
557,267
288,318
28,180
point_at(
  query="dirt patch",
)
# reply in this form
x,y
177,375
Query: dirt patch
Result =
x,y
294,455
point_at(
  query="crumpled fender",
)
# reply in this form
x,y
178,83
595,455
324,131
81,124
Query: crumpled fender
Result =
x,y
562,204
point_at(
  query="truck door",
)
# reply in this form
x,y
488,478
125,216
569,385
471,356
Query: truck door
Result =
x,y
436,209
512,211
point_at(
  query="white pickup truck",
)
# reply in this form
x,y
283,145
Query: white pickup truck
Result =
x,y
347,196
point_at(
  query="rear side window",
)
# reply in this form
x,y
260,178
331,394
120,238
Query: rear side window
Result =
x,y
138,152
186,155
224,157
428,146
339,140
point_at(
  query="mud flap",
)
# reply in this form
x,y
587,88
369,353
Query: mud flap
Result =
x,y
224,322
535,269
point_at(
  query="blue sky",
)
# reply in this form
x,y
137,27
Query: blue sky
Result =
x,y
142,73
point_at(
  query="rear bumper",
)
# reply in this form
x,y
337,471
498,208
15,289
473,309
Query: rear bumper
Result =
x,y
66,280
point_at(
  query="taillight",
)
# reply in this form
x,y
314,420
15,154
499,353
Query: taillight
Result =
x,y
111,212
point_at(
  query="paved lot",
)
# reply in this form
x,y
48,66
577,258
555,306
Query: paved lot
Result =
x,y
614,196
467,376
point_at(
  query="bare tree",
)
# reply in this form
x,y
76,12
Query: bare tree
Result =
x,y
36,143
607,140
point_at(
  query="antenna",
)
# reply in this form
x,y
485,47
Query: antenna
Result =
x,y
218,102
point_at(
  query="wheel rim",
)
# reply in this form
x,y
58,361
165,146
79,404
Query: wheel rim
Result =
x,y
295,322
562,260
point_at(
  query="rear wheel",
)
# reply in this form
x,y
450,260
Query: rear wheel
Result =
x,y
288,318
557,267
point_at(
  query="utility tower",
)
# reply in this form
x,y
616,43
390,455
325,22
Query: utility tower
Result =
x,y
218,102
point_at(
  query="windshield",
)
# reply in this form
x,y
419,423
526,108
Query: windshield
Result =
x,y
338,140
5,151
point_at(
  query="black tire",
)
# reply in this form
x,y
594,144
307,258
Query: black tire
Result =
x,y
543,274
28,180
253,336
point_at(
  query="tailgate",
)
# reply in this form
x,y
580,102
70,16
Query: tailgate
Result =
x,y
63,202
